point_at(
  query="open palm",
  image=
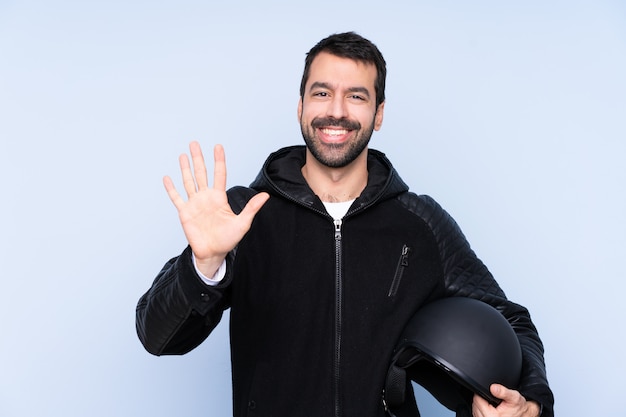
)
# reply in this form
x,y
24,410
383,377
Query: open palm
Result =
x,y
210,226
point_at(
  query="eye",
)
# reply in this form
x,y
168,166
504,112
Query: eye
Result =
x,y
357,97
320,94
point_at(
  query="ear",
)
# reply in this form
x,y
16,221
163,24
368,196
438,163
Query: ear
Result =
x,y
380,112
299,109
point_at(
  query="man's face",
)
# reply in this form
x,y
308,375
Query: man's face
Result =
x,y
338,109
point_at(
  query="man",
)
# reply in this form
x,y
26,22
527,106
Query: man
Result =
x,y
322,276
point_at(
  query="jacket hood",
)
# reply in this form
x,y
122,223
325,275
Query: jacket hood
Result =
x,y
281,175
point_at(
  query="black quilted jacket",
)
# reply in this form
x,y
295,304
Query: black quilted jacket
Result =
x,y
316,307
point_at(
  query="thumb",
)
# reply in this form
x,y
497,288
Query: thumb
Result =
x,y
502,392
253,206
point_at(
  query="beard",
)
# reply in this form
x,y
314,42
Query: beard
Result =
x,y
336,155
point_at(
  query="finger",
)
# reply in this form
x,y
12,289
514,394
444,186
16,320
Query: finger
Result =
x,y
219,168
199,167
479,406
188,181
172,193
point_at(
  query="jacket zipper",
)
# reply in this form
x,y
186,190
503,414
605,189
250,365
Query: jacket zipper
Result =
x,y
403,262
338,313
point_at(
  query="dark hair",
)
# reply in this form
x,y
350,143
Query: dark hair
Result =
x,y
352,46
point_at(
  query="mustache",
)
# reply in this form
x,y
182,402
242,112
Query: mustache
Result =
x,y
320,122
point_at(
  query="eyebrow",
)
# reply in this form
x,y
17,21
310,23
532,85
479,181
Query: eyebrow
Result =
x,y
327,86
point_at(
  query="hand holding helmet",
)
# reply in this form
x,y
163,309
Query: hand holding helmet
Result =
x,y
466,354
513,404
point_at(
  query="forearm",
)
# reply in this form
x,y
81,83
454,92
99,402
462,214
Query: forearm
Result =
x,y
179,311
533,382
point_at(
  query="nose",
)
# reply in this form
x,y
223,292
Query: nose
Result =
x,y
337,108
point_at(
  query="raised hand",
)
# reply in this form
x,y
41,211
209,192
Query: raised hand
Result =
x,y
210,226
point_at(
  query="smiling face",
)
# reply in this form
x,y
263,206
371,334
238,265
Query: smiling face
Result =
x,y
338,111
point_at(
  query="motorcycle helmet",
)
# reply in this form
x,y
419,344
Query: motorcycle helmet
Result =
x,y
455,347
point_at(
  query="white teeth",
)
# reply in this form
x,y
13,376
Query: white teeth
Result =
x,y
334,132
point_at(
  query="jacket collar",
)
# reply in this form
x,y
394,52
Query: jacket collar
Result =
x,y
282,175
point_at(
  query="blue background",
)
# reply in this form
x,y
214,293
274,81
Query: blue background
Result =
x,y
511,114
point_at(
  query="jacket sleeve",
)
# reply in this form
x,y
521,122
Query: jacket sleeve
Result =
x,y
179,310
466,276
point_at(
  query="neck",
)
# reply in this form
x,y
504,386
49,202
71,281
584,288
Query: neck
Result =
x,y
335,185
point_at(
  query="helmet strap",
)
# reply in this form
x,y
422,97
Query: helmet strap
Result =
x,y
394,392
